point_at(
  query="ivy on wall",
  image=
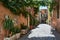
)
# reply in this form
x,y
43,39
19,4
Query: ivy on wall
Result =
x,y
19,6
52,5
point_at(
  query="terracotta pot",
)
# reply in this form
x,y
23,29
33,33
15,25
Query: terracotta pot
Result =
x,y
6,38
10,38
23,31
17,35
14,37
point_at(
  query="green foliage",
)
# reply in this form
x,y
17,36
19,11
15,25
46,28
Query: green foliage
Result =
x,y
52,4
36,9
25,14
15,30
23,26
8,24
18,6
33,21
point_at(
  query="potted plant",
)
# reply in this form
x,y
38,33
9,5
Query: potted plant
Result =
x,y
8,25
24,29
13,32
14,35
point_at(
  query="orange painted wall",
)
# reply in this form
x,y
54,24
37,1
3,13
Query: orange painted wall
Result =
x,y
4,11
20,19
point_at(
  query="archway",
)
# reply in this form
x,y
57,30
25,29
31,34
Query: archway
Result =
x,y
43,14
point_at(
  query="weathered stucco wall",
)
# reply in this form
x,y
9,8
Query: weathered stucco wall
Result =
x,y
4,11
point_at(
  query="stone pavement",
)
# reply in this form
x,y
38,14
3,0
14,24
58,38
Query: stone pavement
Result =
x,y
25,37
57,36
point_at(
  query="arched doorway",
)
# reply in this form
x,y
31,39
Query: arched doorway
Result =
x,y
43,14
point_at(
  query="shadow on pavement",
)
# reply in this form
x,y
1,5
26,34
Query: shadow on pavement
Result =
x,y
57,34
57,37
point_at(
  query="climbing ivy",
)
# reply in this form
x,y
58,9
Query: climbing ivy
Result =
x,y
19,6
52,4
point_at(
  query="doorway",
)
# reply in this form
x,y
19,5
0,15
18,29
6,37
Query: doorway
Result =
x,y
43,14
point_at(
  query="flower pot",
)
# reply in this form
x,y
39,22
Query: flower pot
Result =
x,y
14,37
23,31
6,38
10,38
17,35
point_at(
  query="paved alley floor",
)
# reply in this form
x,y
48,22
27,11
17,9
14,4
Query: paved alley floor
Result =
x,y
57,36
41,32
